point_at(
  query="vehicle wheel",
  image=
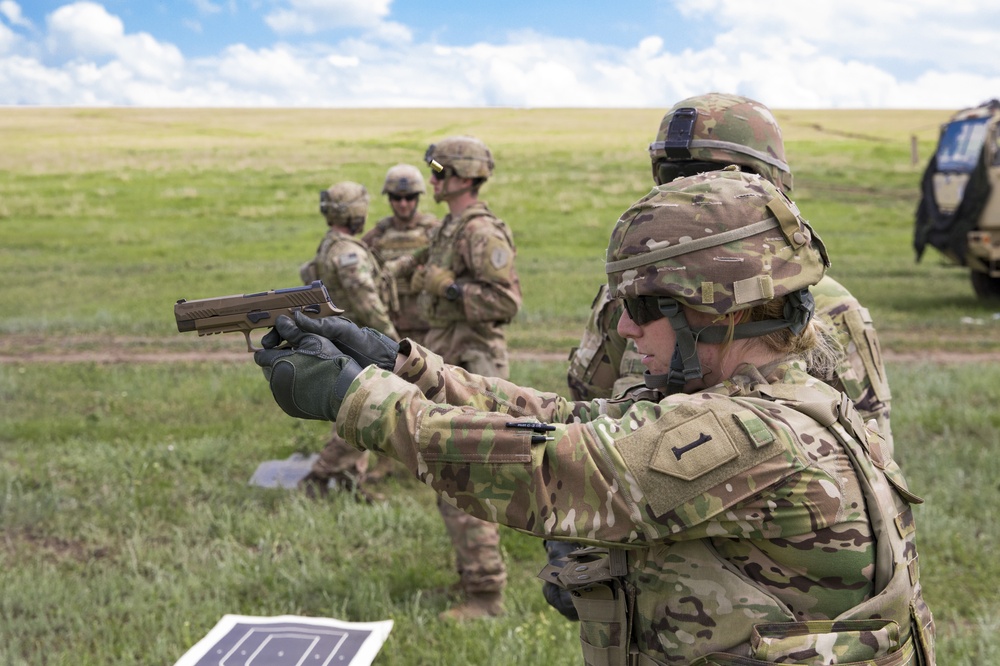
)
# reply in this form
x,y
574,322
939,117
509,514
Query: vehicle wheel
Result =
x,y
986,287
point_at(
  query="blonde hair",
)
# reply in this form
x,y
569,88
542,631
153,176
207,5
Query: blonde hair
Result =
x,y
817,344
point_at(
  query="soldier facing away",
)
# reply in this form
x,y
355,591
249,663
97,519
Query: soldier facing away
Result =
x,y
751,517
356,282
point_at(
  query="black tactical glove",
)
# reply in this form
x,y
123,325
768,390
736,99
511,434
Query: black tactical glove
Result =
x,y
365,345
310,378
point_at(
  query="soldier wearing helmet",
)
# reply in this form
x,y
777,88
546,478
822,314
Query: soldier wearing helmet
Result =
x,y
356,282
399,235
699,134
468,290
750,517
705,133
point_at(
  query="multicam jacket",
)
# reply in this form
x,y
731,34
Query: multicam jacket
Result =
x,y
393,239
355,280
479,249
604,364
755,522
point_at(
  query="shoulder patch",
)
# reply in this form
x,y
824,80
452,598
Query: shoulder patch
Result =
x,y
348,259
499,257
692,449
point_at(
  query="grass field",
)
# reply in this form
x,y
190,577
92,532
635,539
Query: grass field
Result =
x,y
128,527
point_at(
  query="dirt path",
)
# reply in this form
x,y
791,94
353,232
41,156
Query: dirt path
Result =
x,y
23,349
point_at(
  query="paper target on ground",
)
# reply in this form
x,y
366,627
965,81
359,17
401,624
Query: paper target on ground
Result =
x,y
288,640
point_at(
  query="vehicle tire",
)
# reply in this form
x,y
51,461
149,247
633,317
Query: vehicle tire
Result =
x,y
987,288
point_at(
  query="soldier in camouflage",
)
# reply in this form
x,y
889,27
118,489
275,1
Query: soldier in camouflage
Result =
x,y
748,517
399,235
468,290
705,133
356,282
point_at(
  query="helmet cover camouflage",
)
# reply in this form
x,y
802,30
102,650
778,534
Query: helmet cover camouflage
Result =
x,y
345,204
466,156
404,179
719,242
724,129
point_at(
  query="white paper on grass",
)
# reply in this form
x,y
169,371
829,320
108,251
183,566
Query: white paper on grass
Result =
x,y
288,640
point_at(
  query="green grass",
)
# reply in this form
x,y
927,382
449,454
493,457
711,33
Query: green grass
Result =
x,y
128,526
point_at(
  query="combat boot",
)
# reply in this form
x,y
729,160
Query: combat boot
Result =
x,y
477,606
318,486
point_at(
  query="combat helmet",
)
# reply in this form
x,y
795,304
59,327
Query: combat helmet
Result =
x,y
464,156
403,179
718,242
345,205
719,129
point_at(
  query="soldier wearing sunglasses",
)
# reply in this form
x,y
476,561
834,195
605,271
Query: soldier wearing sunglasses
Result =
x,y
403,233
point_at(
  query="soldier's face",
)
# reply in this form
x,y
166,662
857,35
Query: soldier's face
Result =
x,y
405,205
655,341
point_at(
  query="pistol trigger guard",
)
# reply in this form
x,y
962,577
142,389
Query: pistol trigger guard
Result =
x,y
250,347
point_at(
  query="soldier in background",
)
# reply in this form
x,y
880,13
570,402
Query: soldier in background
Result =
x,y
393,239
356,282
403,233
469,291
706,133
747,517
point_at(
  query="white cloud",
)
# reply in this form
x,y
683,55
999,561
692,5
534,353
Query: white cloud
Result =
x,y
770,52
83,29
12,12
312,16
7,39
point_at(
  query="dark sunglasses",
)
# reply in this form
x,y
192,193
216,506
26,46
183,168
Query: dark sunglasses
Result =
x,y
443,174
401,197
643,309
667,171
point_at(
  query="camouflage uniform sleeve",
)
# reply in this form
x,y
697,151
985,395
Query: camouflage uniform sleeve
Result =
x,y
356,274
655,471
491,290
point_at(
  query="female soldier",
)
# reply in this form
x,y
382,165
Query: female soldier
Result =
x,y
750,519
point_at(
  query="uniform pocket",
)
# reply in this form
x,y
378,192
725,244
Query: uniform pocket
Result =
x,y
825,642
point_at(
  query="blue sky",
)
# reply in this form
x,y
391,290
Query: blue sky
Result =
x,y
443,53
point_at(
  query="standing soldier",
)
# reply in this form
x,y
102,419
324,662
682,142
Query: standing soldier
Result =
x,y
469,291
399,235
356,283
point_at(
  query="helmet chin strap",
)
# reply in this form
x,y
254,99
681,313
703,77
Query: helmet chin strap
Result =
x,y
685,365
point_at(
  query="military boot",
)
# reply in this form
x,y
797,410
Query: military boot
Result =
x,y
318,486
477,606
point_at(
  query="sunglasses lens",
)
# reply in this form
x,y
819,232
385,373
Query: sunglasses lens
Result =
x,y
642,309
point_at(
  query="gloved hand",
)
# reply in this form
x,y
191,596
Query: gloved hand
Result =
x,y
365,345
310,378
438,280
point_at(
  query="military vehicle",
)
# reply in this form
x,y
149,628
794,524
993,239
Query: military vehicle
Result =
x,y
959,212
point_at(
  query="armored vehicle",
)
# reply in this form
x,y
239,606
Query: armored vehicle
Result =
x,y
959,212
